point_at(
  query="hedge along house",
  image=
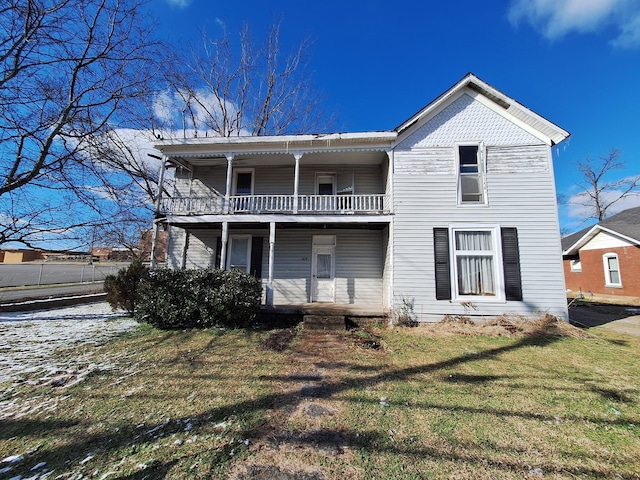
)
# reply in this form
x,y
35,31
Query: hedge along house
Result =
x,y
453,212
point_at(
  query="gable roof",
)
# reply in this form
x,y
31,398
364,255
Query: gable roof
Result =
x,y
625,224
550,133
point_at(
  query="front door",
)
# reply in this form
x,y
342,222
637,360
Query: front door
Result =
x,y
323,273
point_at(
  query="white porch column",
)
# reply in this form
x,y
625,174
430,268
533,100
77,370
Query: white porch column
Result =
x,y
227,194
296,181
272,244
223,246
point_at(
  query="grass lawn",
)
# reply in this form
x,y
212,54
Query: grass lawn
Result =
x,y
218,404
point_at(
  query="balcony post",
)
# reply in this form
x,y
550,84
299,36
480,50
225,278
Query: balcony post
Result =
x,y
227,194
272,244
296,182
388,198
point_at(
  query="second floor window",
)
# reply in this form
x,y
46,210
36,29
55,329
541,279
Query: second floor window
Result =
x,y
470,174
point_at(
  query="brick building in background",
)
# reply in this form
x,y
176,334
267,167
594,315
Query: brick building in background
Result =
x,y
605,258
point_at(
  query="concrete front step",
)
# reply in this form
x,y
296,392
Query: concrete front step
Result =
x,y
324,322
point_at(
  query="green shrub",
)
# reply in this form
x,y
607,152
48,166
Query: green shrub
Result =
x,y
123,289
173,299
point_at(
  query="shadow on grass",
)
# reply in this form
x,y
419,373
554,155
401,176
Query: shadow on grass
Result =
x,y
62,457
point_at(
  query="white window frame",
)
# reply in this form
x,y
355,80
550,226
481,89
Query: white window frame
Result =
x,y
481,156
232,238
575,265
236,171
496,254
331,175
607,271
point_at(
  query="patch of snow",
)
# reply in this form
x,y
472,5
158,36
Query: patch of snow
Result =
x,y
12,459
28,340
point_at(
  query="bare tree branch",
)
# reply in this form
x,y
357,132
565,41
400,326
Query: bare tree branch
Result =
x,y
598,194
247,89
71,73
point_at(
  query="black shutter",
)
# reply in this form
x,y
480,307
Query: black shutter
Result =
x,y
511,263
218,253
256,257
443,271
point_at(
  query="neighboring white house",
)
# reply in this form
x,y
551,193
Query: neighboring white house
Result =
x,y
454,211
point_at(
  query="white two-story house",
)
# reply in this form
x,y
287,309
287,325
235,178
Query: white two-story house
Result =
x,y
454,211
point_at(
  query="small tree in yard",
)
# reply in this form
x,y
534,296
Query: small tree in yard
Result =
x,y
123,289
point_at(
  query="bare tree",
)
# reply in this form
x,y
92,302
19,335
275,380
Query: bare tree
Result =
x,y
70,72
245,89
598,193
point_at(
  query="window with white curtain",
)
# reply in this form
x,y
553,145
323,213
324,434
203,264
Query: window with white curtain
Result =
x,y
611,270
476,262
324,267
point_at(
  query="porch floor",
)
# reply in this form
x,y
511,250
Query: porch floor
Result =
x,y
321,308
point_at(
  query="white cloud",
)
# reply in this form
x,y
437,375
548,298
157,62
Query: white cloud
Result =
x,y
179,3
203,117
556,18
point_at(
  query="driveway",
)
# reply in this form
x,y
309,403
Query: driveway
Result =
x,y
619,318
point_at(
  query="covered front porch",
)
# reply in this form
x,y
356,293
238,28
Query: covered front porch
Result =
x,y
302,265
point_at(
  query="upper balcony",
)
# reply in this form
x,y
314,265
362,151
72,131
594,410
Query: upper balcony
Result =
x,y
285,204
320,183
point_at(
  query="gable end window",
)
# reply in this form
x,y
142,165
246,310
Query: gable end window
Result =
x,y
477,263
471,182
611,270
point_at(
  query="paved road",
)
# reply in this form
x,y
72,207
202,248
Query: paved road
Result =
x,y
36,273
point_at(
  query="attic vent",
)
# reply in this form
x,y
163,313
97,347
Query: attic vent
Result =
x,y
494,98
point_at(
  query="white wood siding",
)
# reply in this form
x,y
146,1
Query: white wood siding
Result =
x,y
202,249
273,180
517,159
524,201
604,240
359,265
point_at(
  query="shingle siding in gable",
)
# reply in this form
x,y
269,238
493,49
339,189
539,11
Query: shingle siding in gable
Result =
x,y
466,119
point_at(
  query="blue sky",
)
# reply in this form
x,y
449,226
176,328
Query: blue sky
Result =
x,y
575,62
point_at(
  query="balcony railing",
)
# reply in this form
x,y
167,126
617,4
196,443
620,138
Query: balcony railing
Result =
x,y
256,204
